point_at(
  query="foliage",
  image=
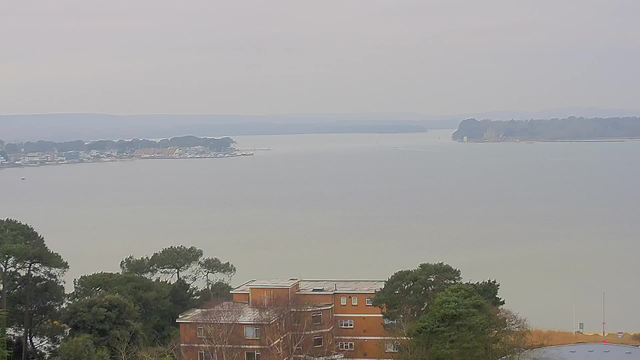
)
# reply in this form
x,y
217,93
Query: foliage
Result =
x,y
46,328
460,325
157,300
212,266
408,293
571,128
215,293
120,145
123,315
151,299
443,318
81,348
216,275
138,266
489,291
29,266
103,317
179,261
513,335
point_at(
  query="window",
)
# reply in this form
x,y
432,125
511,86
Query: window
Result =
x,y
346,346
343,300
251,332
317,341
348,324
354,300
391,346
317,318
369,301
200,331
204,356
296,319
251,355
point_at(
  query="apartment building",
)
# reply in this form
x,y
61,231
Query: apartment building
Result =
x,y
291,318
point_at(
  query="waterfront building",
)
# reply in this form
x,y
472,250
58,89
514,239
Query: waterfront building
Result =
x,y
289,319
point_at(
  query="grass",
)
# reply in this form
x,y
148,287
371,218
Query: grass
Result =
x,y
540,338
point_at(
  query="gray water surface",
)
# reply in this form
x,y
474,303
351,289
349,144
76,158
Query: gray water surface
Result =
x,y
555,223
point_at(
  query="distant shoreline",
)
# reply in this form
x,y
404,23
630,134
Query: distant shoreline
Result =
x,y
604,140
571,129
23,166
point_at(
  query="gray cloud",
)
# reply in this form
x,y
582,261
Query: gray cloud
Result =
x,y
256,57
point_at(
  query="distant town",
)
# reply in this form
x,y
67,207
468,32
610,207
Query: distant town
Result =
x,y
42,152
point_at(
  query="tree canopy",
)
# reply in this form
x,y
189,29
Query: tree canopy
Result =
x,y
460,325
121,145
30,269
81,348
177,261
151,299
408,293
571,128
101,317
108,315
442,318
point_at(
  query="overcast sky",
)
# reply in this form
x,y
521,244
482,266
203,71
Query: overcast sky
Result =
x,y
259,57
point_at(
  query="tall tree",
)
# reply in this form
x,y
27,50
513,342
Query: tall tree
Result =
x,y
12,253
24,254
103,318
180,262
150,297
407,294
39,261
46,325
460,325
138,266
215,271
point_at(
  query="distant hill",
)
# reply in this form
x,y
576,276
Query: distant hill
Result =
x,y
68,127
585,112
572,128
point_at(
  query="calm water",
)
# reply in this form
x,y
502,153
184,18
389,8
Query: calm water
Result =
x,y
555,223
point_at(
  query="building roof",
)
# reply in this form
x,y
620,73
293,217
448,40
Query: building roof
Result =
x,y
316,286
339,286
594,351
230,313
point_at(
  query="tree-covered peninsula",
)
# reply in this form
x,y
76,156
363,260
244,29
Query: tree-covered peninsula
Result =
x,y
571,128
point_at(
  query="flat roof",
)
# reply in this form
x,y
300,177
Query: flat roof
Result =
x,y
273,283
230,313
316,285
595,351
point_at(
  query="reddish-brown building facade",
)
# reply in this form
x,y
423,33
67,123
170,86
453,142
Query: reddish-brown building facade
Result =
x,y
289,319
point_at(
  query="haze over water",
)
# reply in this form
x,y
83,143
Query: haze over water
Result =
x,y
554,223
